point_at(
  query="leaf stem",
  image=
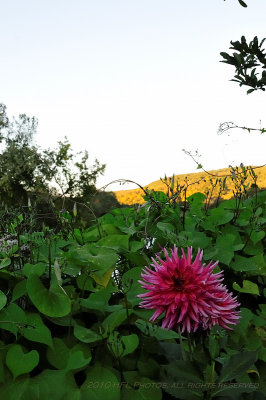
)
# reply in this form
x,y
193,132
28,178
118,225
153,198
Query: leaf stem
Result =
x,y
181,344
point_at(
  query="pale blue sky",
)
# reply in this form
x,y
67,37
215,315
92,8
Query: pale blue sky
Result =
x,y
134,81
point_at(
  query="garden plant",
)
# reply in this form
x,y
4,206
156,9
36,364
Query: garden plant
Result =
x,y
163,301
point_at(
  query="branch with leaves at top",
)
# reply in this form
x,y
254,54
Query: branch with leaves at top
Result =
x,y
246,58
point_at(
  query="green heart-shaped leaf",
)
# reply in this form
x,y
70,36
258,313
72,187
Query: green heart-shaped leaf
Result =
x,y
62,357
248,287
53,302
11,318
19,362
130,342
86,335
35,330
37,269
257,236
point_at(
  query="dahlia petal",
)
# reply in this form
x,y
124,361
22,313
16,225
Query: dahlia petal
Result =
x,y
157,313
193,315
175,255
143,295
203,303
189,255
227,321
183,312
223,325
195,307
172,322
188,324
165,323
212,266
201,311
198,258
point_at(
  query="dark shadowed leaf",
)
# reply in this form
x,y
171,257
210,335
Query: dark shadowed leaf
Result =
x,y
237,365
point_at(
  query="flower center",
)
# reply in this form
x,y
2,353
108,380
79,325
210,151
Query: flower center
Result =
x,y
178,282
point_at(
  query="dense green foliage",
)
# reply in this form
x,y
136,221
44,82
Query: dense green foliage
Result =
x,y
70,325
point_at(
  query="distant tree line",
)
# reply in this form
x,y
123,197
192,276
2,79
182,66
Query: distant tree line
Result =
x,y
48,181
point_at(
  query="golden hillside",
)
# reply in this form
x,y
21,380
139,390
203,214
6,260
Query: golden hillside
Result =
x,y
199,182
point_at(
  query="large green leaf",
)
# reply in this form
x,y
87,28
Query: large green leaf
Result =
x,y
15,389
257,236
237,365
244,217
13,317
238,243
248,287
135,246
130,342
100,384
91,257
85,282
79,357
179,377
97,301
225,248
101,259
59,354
199,240
19,362
218,216
86,335
53,302
61,357
115,319
196,200
185,371
50,384
37,269
116,242
245,263
252,249
19,290
165,227
35,330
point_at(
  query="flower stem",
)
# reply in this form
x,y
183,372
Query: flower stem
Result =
x,y
181,344
190,347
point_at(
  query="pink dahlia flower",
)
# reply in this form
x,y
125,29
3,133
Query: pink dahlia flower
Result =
x,y
189,293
